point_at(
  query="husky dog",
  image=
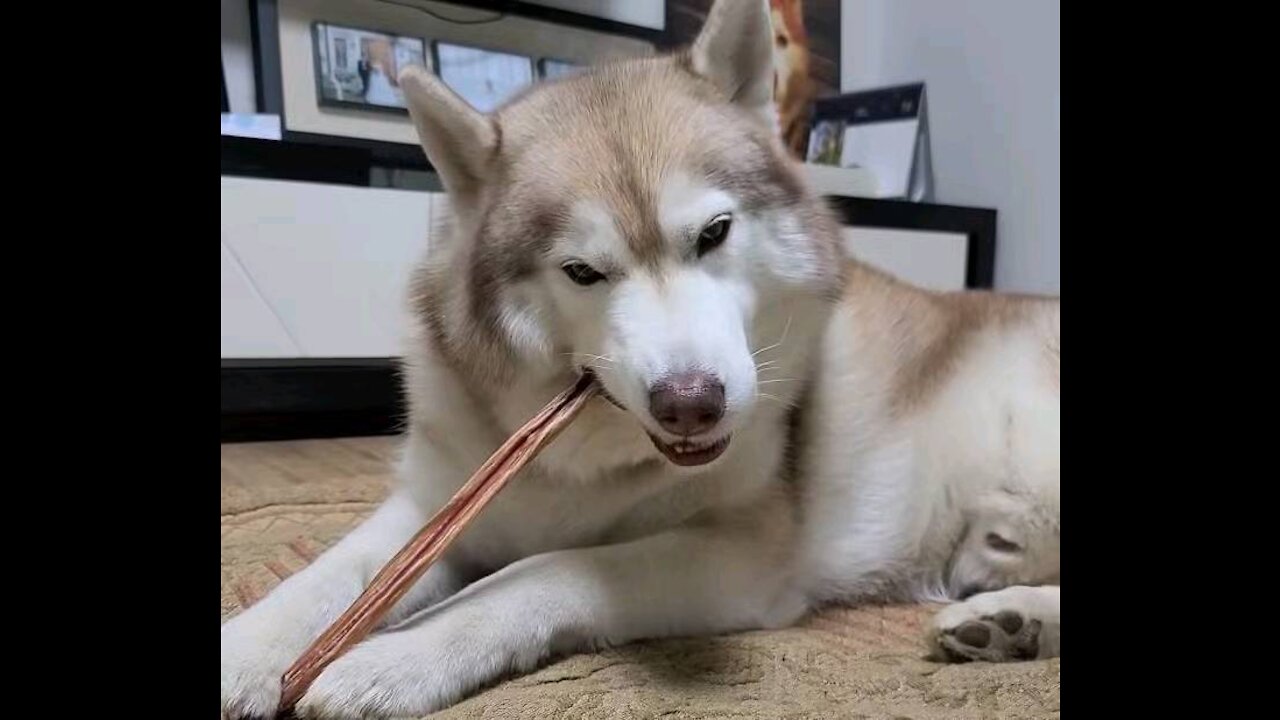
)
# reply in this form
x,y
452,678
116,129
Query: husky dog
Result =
x,y
781,428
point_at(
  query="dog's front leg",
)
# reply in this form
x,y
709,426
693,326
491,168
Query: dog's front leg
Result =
x,y
259,644
696,580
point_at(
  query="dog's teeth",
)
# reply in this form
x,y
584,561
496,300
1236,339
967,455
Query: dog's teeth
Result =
x,y
688,448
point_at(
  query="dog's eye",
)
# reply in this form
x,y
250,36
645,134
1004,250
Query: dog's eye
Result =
x,y
582,273
713,235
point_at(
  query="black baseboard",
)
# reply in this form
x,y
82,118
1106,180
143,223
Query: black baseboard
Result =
x,y
310,398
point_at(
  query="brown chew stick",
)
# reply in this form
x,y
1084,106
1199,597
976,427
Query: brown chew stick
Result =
x,y
398,575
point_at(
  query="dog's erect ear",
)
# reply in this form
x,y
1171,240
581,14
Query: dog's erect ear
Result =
x,y
459,140
735,51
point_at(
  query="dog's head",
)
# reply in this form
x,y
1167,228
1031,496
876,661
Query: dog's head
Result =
x,y
639,219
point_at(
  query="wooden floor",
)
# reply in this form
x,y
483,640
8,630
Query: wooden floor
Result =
x,y
325,458
254,474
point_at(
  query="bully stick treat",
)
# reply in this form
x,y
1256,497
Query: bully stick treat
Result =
x,y
399,574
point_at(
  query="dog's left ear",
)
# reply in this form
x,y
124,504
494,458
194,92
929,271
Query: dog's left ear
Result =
x,y
459,141
735,51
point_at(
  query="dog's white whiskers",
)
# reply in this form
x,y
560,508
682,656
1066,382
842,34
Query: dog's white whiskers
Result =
x,y
766,348
591,356
785,329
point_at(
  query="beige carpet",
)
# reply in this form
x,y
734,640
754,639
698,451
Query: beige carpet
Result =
x,y
283,503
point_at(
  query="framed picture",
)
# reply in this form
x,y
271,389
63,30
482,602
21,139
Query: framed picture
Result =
x,y
550,68
484,78
883,130
357,67
825,141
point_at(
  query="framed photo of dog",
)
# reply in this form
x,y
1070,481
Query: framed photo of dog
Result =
x,y
806,56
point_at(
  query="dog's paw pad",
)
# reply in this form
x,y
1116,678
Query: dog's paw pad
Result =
x,y
1003,637
975,634
1009,620
991,627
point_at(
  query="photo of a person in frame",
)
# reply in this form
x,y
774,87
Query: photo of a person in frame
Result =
x,y
359,67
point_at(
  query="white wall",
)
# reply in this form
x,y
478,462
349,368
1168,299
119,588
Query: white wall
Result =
x,y
992,70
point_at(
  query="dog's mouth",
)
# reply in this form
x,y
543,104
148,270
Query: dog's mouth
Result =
x,y
685,452
603,393
689,453
611,399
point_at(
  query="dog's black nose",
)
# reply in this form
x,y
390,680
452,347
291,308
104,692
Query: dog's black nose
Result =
x,y
687,403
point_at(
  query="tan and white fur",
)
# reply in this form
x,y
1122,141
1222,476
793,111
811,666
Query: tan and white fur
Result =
x,y
783,428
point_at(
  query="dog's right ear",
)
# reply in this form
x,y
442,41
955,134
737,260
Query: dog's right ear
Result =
x,y
459,140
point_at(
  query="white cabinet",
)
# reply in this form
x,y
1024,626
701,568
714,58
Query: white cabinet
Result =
x,y
329,263
932,260
250,328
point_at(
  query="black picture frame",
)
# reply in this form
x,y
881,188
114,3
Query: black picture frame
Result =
x,y
226,99
316,49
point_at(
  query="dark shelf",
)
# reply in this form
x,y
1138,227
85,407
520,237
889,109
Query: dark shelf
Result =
x,y
309,398
316,158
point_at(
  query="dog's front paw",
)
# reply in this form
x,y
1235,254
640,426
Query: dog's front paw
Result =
x,y
250,672
384,676
416,669
1017,623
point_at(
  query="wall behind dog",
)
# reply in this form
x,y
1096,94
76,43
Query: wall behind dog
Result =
x,y
992,68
